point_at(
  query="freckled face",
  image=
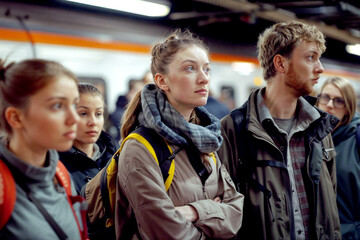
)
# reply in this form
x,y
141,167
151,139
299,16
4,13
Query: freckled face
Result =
x,y
91,111
304,68
50,120
188,79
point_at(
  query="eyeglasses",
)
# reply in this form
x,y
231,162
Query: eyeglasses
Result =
x,y
337,101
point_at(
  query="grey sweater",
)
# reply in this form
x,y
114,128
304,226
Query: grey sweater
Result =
x,y
26,222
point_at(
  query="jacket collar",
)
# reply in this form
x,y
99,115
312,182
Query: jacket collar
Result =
x,y
320,127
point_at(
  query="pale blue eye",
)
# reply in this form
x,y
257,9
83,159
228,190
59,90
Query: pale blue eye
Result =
x,y
190,68
57,106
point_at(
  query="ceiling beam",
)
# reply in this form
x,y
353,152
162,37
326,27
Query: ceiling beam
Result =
x,y
270,13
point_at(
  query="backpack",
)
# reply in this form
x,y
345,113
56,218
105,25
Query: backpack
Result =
x,y
9,175
246,153
100,191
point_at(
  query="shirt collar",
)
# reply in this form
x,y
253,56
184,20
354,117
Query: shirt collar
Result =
x,y
305,112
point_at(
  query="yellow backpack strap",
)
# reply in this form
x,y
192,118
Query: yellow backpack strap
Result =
x,y
213,156
111,173
109,177
159,149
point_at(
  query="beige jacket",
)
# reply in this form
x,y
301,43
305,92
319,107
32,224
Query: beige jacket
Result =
x,y
141,193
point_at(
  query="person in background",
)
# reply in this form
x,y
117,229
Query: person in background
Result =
x,y
277,146
216,107
38,117
93,147
147,78
134,86
195,206
337,97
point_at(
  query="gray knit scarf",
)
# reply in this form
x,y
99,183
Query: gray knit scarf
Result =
x,y
158,114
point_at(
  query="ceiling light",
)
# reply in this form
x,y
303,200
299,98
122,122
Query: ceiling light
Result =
x,y
353,49
243,68
140,7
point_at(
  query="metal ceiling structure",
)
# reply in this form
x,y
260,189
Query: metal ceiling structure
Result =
x,y
339,20
235,22
242,20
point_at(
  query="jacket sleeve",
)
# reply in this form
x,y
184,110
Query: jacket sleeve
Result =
x,y
221,220
140,178
228,151
331,163
327,211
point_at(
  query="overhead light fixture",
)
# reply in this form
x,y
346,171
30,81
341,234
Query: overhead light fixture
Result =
x,y
243,68
139,7
353,49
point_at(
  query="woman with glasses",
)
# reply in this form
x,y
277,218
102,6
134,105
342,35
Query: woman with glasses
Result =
x,y
337,97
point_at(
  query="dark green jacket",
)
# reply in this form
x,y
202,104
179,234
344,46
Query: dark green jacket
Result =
x,y
348,178
268,213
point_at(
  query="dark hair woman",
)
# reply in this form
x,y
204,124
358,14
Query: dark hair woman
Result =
x,y
38,117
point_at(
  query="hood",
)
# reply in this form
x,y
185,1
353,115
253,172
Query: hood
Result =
x,y
121,102
346,131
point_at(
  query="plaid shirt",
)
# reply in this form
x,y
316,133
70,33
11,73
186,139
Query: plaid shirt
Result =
x,y
295,154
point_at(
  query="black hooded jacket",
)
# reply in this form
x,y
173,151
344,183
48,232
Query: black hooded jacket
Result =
x,y
83,168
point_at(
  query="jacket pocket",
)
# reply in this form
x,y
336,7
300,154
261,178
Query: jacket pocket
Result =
x,y
281,219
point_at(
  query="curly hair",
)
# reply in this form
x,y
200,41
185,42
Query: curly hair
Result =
x,y
281,38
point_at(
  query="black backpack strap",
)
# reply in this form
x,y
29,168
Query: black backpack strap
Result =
x,y
358,136
195,160
160,147
247,155
18,179
165,157
238,116
247,161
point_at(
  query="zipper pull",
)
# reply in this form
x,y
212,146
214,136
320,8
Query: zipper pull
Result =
x,y
325,153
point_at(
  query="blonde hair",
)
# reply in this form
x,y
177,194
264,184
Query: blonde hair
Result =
x,y
349,96
129,120
281,38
